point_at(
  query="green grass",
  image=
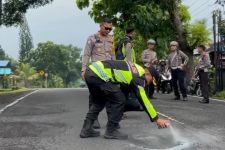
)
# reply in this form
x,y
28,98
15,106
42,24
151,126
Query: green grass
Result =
x,y
220,95
10,91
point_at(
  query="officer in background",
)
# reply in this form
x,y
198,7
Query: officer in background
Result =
x,y
125,51
203,66
102,78
176,61
129,50
149,60
99,47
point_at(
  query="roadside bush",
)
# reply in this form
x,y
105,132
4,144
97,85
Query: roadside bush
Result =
x,y
220,95
212,81
55,82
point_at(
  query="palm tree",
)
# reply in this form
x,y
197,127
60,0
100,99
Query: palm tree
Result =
x,y
27,73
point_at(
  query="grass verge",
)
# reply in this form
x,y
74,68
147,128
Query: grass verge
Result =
x,y
220,95
10,91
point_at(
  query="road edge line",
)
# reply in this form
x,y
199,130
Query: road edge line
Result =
x,y
16,101
170,118
218,100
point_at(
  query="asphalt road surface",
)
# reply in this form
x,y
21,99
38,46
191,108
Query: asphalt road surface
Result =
x,y
51,120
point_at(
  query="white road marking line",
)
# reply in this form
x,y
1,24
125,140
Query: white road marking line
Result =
x,y
201,97
80,88
170,118
16,101
209,98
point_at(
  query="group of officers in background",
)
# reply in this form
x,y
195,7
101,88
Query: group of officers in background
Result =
x,y
99,47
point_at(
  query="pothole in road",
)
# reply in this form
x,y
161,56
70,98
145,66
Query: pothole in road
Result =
x,y
162,140
151,143
29,129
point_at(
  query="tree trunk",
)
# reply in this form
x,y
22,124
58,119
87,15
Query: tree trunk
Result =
x,y
65,83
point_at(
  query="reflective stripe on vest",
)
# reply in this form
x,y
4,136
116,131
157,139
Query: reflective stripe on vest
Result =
x,y
106,74
140,69
150,109
133,55
119,75
96,68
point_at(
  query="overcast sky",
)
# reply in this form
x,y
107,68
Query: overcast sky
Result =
x,y
63,23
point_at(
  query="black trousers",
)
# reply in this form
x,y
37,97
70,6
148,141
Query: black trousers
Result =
x,y
104,94
204,83
178,76
132,103
150,89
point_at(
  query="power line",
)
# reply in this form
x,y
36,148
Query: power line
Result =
x,y
192,4
199,10
203,11
196,7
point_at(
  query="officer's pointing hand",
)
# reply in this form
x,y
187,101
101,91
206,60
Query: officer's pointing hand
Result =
x,y
162,123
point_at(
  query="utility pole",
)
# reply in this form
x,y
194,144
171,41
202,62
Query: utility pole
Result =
x,y
215,47
0,13
46,80
219,46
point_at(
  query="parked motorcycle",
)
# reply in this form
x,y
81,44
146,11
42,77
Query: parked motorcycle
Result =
x,y
166,82
165,78
193,87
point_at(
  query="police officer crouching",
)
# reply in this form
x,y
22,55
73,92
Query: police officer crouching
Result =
x,y
203,66
102,78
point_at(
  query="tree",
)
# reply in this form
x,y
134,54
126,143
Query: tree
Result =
x,y
26,73
63,61
198,33
26,43
158,19
2,53
56,82
11,11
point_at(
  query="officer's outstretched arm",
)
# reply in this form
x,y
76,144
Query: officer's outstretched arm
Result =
x,y
138,85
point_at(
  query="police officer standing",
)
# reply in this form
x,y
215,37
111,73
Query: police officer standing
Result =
x,y
99,46
129,50
176,61
125,51
149,60
203,66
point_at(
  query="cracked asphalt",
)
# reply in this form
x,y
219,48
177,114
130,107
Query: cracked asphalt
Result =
x,y
51,119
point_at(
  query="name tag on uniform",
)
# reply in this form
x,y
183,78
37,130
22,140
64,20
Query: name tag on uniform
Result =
x,y
99,47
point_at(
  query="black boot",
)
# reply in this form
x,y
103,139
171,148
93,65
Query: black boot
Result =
x,y
113,133
177,98
117,126
87,130
185,98
204,101
96,124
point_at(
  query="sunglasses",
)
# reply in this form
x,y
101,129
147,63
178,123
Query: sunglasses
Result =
x,y
108,29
